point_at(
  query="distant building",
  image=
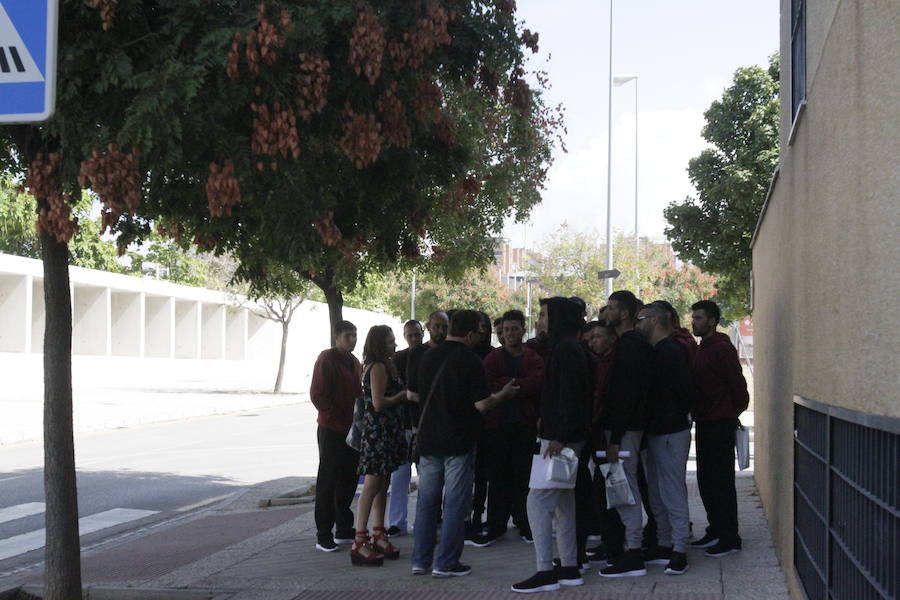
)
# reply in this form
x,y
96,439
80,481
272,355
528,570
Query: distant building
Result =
x,y
510,265
826,304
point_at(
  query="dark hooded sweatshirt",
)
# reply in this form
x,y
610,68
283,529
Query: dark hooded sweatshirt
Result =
x,y
567,395
626,394
722,389
672,391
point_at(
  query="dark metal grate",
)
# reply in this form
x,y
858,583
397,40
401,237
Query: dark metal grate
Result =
x,y
846,518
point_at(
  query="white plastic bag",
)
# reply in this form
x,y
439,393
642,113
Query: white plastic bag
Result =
x,y
618,492
542,469
742,446
563,468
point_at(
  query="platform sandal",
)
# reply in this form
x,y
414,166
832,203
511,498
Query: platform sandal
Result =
x,y
381,544
363,553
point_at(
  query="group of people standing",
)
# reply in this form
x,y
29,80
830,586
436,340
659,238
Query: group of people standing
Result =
x,y
624,390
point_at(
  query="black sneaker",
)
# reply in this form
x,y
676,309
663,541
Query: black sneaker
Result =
x,y
722,549
584,568
326,544
706,541
459,570
542,581
344,537
419,570
678,564
658,555
481,540
597,554
630,565
394,531
525,534
569,576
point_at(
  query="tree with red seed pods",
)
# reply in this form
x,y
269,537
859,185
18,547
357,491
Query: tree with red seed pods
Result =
x,y
156,114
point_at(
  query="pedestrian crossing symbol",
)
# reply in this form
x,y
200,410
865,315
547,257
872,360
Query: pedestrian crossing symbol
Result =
x,y
27,60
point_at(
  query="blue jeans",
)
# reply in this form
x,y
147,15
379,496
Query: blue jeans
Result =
x,y
451,476
399,497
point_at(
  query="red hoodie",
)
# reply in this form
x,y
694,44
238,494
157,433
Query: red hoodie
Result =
x,y
722,389
529,383
336,384
687,340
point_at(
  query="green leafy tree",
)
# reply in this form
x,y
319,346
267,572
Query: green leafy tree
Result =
x,y
568,263
17,211
475,290
370,133
714,229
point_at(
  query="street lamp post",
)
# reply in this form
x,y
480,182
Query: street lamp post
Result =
x,y
412,296
620,80
609,257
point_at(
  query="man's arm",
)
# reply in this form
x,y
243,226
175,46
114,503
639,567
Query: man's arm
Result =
x,y
734,380
321,386
508,391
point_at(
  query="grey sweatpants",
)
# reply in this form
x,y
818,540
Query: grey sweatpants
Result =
x,y
542,505
666,467
632,516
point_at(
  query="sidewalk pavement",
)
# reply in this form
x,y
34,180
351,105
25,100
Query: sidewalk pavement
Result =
x,y
236,551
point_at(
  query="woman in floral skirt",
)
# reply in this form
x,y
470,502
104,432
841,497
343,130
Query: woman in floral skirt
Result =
x,y
383,446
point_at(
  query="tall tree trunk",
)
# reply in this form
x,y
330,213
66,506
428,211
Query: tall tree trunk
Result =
x,y
284,337
62,577
335,300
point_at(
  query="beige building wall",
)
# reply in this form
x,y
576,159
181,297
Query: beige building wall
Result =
x,y
826,254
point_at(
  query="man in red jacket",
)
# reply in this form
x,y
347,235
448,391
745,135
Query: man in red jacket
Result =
x,y
334,389
510,430
721,397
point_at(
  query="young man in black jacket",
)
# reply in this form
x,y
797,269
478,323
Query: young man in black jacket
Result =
x,y
668,433
623,414
565,417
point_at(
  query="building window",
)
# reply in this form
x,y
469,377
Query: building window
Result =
x,y
798,55
846,497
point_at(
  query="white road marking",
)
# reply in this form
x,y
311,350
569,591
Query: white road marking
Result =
x,y
21,510
33,540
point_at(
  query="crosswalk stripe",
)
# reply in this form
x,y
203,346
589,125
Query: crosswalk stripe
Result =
x,y
26,542
21,510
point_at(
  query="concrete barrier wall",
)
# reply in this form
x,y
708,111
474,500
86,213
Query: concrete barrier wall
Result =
x,y
132,332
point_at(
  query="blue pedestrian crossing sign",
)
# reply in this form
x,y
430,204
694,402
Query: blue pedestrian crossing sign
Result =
x,y
27,60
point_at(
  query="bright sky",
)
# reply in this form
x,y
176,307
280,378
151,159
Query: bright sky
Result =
x,y
685,53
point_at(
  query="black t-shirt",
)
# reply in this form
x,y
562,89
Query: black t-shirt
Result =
x,y
450,421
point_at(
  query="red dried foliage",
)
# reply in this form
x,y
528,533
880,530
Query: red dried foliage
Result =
x,y
508,6
261,42
399,53
274,132
367,46
205,241
428,100
430,32
171,229
115,179
328,231
518,93
107,11
463,193
361,141
222,189
55,218
312,85
445,130
393,116
489,79
437,252
231,66
530,40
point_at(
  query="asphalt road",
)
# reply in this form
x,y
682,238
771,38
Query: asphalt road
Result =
x,y
130,478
